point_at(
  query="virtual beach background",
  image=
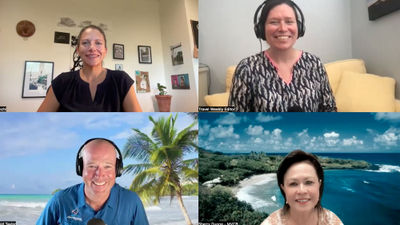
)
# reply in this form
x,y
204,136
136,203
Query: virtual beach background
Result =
x,y
38,156
357,196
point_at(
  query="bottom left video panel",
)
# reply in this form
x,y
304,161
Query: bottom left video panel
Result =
x,y
98,168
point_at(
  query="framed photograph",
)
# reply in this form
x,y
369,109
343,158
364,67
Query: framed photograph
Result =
x,y
119,67
144,53
118,51
379,8
180,81
177,54
61,37
142,81
37,78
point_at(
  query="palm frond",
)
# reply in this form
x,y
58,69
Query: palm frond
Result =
x,y
136,168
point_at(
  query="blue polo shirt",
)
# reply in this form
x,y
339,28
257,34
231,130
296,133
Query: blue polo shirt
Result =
x,y
123,207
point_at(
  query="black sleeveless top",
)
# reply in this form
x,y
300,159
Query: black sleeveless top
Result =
x,y
73,93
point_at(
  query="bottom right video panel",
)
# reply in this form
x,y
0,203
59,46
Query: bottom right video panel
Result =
x,y
299,168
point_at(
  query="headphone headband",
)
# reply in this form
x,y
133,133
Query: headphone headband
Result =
x,y
259,21
79,160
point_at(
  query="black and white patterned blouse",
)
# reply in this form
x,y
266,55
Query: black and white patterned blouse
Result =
x,y
257,87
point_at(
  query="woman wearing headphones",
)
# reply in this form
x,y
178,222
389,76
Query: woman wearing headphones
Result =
x,y
281,78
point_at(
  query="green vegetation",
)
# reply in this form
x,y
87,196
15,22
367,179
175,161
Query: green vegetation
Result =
x,y
233,168
218,204
163,172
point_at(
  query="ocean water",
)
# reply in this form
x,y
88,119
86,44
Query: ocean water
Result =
x,y
26,209
358,197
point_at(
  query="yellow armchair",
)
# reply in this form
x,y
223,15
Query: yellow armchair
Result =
x,y
354,89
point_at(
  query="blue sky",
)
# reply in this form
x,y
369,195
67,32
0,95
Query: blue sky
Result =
x,y
38,150
312,132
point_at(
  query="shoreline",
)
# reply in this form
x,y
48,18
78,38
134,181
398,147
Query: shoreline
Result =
x,y
260,179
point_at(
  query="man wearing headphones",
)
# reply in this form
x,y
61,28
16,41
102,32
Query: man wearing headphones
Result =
x,y
99,162
281,78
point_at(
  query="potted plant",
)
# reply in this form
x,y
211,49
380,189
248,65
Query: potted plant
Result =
x,y
163,100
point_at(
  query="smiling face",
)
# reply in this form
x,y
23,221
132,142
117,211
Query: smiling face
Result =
x,y
91,47
281,29
99,159
301,186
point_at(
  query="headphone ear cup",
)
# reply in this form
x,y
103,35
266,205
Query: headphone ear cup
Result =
x,y
79,166
259,30
119,168
300,29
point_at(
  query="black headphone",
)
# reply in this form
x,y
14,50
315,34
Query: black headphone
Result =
x,y
266,6
118,165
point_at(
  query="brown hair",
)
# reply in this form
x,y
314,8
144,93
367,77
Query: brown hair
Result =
x,y
76,58
295,157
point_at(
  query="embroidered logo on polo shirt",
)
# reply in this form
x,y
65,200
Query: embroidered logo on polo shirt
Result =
x,y
74,215
75,211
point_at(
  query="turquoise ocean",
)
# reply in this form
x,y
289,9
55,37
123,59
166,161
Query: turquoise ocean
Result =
x,y
358,197
26,209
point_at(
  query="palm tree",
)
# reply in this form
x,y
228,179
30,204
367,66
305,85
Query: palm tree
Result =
x,y
163,170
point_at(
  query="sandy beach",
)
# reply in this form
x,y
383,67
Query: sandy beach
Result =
x,y
254,180
247,190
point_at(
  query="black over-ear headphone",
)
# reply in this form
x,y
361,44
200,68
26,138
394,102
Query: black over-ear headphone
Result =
x,y
118,165
265,8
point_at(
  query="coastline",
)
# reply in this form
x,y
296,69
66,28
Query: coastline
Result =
x,y
260,179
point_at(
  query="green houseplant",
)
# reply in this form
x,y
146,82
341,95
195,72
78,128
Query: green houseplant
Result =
x,y
163,100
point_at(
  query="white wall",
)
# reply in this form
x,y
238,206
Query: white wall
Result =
x,y
227,35
130,22
377,42
175,30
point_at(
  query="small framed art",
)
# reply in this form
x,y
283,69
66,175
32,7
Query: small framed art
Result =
x,y
37,78
144,54
118,51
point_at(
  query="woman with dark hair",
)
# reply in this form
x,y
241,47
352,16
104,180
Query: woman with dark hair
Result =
x,y
301,180
92,88
281,78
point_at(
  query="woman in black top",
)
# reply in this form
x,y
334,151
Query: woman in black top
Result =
x,y
93,88
281,78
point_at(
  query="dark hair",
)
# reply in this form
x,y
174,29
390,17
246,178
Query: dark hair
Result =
x,y
76,58
295,157
266,7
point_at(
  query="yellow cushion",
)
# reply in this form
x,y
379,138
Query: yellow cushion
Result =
x,y
336,69
365,93
228,78
220,99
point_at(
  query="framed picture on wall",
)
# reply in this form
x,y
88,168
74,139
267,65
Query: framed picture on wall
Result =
x,y
119,67
37,78
144,54
379,8
177,54
118,51
180,81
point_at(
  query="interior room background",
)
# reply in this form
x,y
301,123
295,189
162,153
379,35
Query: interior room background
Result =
x,y
156,23
335,30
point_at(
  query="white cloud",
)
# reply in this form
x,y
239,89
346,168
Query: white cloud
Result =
x,y
122,135
223,132
277,132
331,138
332,134
254,130
204,129
261,117
352,141
392,117
389,138
228,119
258,140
